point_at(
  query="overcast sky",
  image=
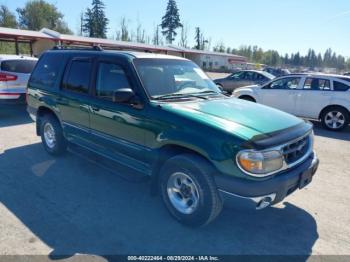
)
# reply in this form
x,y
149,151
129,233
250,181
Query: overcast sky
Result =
x,y
286,26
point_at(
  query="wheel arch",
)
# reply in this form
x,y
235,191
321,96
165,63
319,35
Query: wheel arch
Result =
x,y
332,106
43,110
247,96
165,153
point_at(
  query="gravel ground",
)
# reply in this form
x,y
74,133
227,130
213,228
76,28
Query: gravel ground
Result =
x,y
67,205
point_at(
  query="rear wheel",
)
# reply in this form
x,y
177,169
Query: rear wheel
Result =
x,y
52,135
189,191
335,118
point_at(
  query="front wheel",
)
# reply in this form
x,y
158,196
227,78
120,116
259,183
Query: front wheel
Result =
x,y
189,191
335,118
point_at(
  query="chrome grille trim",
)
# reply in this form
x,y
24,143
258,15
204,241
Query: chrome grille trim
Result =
x,y
286,165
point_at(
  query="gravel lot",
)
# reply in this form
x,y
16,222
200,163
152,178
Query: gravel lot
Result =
x,y
68,205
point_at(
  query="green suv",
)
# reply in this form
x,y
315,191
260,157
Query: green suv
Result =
x,y
162,117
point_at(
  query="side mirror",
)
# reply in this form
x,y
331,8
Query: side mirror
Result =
x,y
123,95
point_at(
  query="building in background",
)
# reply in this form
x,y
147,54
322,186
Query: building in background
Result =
x,y
40,41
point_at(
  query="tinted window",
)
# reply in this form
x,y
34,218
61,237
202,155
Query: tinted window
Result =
x,y
78,77
238,75
47,70
18,66
340,86
317,84
110,77
285,83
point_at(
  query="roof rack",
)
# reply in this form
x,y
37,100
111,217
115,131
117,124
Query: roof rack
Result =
x,y
93,48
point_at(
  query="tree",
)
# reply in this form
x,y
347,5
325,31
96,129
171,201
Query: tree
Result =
x,y
124,33
7,18
156,36
140,33
200,40
184,37
38,14
171,21
95,21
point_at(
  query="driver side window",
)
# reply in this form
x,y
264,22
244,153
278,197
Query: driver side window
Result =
x,y
110,78
289,83
237,76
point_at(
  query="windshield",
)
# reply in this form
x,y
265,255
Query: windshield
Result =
x,y
167,77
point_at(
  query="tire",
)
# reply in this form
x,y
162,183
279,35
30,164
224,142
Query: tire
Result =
x,y
191,176
52,135
247,98
335,118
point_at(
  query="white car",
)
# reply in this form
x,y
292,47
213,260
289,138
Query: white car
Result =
x,y
314,96
14,75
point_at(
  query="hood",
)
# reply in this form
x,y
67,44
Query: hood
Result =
x,y
238,117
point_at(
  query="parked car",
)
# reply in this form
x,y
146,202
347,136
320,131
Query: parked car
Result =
x,y
315,96
277,72
14,74
243,78
197,145
347,74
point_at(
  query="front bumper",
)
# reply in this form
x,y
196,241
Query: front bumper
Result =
x,y
274,189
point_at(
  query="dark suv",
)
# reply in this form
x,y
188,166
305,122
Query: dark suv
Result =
x,y
161,116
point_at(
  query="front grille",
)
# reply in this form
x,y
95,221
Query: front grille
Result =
x,y
296,150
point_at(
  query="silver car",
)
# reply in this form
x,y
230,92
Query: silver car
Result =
x,y
14,75
243,78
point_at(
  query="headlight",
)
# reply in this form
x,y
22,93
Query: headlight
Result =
x,y
260,163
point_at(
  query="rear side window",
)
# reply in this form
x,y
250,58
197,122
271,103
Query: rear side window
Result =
x,y
18,66
77,79
317,84
340,86
110,78
47,71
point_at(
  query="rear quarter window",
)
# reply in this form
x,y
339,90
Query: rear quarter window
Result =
x,y
47,71
340,86
18,66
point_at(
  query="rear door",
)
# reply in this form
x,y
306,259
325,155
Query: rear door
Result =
x,y
314,95
73,102
281,94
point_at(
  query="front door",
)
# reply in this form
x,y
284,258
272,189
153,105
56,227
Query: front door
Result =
x,y
117,129
281,94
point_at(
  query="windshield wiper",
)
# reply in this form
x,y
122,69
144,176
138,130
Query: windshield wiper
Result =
x,y
180,95
172,96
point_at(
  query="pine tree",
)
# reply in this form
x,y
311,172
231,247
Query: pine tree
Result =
x,y
95,21
198,38
171,21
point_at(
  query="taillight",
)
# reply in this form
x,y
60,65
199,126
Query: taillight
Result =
x,y
7,77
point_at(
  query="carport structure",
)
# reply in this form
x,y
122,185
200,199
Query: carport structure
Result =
x,y
40,41
18,36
